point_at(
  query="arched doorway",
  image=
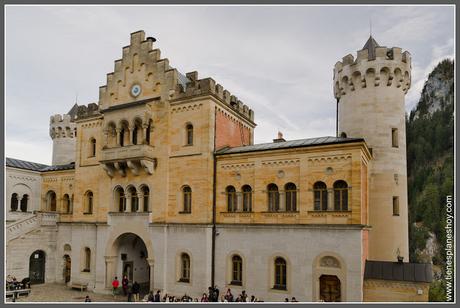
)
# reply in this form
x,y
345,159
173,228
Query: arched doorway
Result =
x,y
128,256
67,268
329,288
37,267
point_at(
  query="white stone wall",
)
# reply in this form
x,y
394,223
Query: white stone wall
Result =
x,y
22,182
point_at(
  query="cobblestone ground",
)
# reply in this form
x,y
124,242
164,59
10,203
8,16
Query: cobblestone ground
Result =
x,y
52,292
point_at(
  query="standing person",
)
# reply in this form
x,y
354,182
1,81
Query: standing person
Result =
x,y
204,298
157,296
216,294
244,296
124,284
136,288
115,284
87,299
229,296
151,297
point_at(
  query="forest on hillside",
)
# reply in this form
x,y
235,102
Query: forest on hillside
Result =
x,y
430,167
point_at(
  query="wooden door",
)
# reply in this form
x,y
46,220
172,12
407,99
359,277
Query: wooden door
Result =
x,y
67,268
37,267
329,288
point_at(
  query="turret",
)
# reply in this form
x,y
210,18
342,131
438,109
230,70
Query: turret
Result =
x,y
370,92
63,131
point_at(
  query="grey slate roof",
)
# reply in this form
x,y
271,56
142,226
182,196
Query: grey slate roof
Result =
x,y
27,165
22,164
385,270
370,45
182,79
287,144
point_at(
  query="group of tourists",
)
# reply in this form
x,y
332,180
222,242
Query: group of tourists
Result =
x,y
13,284
130,290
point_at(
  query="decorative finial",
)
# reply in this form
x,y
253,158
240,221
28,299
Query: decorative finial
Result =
x,y
370,26
76,98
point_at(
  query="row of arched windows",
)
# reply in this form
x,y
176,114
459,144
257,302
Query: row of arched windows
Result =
x,y
124,134
16,204
289,202
51,203
132,200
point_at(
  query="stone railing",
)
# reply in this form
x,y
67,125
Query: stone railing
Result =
x,y
139,151
21,227
136,158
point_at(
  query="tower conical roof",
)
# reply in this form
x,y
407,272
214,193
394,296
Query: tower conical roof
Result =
x,y
370,45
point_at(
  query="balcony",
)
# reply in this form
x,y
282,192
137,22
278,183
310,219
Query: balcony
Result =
x,y
135,158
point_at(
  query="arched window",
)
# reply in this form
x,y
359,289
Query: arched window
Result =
x,y
135,132
122,137
320,196
132,193
340,196
123,132
237,270
24,201
87,260
280,274
92,148
231,199
120,199
247,198
51,201
189,134
273,198
185,268
147,135
14,202
187,198
291,197
66,203
145,195
88,202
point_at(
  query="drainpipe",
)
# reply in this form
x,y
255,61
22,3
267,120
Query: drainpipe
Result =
x,y
214,176
337,118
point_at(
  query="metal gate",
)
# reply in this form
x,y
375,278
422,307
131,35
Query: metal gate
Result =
x,y
37,267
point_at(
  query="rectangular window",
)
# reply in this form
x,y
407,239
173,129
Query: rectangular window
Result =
x,y
394,137
395,206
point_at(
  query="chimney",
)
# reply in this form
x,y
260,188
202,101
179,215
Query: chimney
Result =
x,y
280,138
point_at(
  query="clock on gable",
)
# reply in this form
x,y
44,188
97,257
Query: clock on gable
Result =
x,y
136,90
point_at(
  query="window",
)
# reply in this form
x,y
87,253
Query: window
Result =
x,y
87,259
132,194
189,134
237,270
92,147
291,197
395,206
340,196
14,202
247,198
320,196
231,199
394,137
147,136
187,198
135,130
273,198
51,201
185,268
145,195
66,203
122,137
88,203
280,274
120,199
24,201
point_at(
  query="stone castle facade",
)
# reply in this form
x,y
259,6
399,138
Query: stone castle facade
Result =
x,y
161,181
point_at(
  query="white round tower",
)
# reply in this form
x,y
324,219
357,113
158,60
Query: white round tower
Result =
x,y
370,93
63,132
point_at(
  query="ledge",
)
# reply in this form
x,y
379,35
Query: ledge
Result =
x,y
129,213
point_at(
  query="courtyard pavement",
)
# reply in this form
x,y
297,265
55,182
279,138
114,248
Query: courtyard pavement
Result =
x,y
53,292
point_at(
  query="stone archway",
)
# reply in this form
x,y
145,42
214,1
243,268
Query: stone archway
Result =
x,y
133,251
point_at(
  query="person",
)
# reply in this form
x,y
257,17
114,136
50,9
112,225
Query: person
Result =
x,y
115,284
151,297
157,296
244,296
216,294
124,284
294,300
229,296
135,290
87,299
204,298
286,300
253,298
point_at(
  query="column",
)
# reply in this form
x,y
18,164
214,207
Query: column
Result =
x,y
330,205
282,207
151,263
239,202
110,268
131,135
144,133
128,202
118,132
140,202
105,141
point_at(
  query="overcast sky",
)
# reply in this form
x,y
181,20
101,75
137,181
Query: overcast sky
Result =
x,y
276,59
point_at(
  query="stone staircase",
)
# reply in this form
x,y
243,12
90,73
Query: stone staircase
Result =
x,y
21,227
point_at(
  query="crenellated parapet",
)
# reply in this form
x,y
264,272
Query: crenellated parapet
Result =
x,y
376,67
195,87
89,111
62,126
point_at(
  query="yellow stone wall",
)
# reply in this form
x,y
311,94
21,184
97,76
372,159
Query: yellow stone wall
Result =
x,y
395,291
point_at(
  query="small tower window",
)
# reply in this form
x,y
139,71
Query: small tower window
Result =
x,y
88,203
185,268
187,198
394,137
231,199
92,147
189,132
395,206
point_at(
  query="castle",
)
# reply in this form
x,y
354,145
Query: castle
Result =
x,y
161,181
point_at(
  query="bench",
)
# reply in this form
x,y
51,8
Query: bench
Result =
x,y
17,293
80,286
